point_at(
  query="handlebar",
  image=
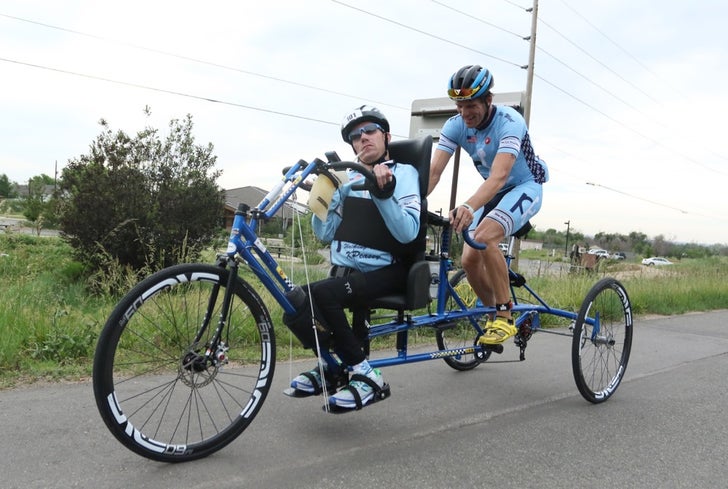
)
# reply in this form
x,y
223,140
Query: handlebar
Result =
x,y
323,168
438,220
370,180
474,244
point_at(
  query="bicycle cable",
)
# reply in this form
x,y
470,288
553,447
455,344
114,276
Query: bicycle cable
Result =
x,y
319,361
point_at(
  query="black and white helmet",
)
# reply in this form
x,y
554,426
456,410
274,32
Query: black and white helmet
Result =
x,y
365,113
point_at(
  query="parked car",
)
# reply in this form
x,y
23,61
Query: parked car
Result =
x,y
599,252
618,255
503,247
656,260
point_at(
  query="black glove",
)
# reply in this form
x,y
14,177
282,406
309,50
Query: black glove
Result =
x,y
386,192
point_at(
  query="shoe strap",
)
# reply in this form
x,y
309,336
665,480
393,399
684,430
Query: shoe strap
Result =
x,y
355,392
314,379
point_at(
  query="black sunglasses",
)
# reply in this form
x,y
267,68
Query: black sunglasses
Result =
x,y
368,129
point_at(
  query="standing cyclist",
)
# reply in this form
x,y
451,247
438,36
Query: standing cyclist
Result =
x,y
372,235
496,137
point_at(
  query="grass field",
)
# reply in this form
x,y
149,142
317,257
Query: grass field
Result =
x,y
49,321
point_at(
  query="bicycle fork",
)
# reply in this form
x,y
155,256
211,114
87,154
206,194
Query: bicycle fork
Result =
x,y
215,350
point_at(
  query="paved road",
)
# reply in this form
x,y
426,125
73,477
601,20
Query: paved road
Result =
x,y
503,425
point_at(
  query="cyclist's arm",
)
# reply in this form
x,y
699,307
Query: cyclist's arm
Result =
x,y
401,212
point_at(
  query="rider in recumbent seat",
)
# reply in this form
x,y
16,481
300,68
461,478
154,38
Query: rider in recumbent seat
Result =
x,y
375,236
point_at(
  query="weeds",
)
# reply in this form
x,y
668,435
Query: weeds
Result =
x,y
52,309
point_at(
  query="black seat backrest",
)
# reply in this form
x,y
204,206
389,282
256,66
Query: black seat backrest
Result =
x,y
416,152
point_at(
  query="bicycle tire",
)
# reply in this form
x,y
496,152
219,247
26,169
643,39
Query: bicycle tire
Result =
x,y
153,388
599,353
459,334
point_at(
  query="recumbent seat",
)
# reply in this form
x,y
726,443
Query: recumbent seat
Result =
x,y
416,152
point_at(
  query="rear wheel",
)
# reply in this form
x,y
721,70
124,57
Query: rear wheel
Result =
x,y
460,335
602,340
163,387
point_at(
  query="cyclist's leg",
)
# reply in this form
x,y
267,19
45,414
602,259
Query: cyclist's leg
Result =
x,y
334,295
474,266
494,269
512,212
359,320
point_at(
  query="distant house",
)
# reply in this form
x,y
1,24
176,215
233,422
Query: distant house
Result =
x,y
252,196
46,192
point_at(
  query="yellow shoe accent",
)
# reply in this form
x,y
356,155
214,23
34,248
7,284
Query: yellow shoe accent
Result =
x,y
498,331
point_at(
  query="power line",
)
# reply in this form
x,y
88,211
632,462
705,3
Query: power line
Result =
x,y
404,26
199,61
313,87
479,19
682,211
653,140
589,80
250,107
171,92
609,39
621,192
636,60
595,59
527,9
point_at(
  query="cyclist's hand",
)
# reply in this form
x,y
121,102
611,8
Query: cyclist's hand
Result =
x,y
385,182
460,218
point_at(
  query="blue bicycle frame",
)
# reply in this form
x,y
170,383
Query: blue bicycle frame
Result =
x,y
245,244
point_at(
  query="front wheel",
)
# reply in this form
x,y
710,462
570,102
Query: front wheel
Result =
x,y
164,386
602,340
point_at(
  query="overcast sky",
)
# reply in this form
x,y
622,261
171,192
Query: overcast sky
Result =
x,y
628,109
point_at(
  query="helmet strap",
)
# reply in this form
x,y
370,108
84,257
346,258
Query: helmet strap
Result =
x,y
386,149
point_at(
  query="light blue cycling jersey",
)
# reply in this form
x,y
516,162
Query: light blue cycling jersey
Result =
x,y
506,133
401,214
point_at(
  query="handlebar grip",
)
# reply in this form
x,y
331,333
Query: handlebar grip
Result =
x,y
301,165
469,239
370,181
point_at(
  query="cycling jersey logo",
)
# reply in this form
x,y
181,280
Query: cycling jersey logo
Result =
x,y
487,140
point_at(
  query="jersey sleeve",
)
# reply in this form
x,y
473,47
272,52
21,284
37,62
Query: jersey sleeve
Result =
x,y
450,134
401,212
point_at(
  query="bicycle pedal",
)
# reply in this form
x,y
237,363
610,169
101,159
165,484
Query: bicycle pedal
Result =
x,y
494,348
382,394
291,392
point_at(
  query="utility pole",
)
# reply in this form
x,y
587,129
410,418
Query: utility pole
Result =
x,y
566,246
531,59
527,100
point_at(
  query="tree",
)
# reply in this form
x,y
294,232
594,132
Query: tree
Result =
x,y
7,188
35,200
144,202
